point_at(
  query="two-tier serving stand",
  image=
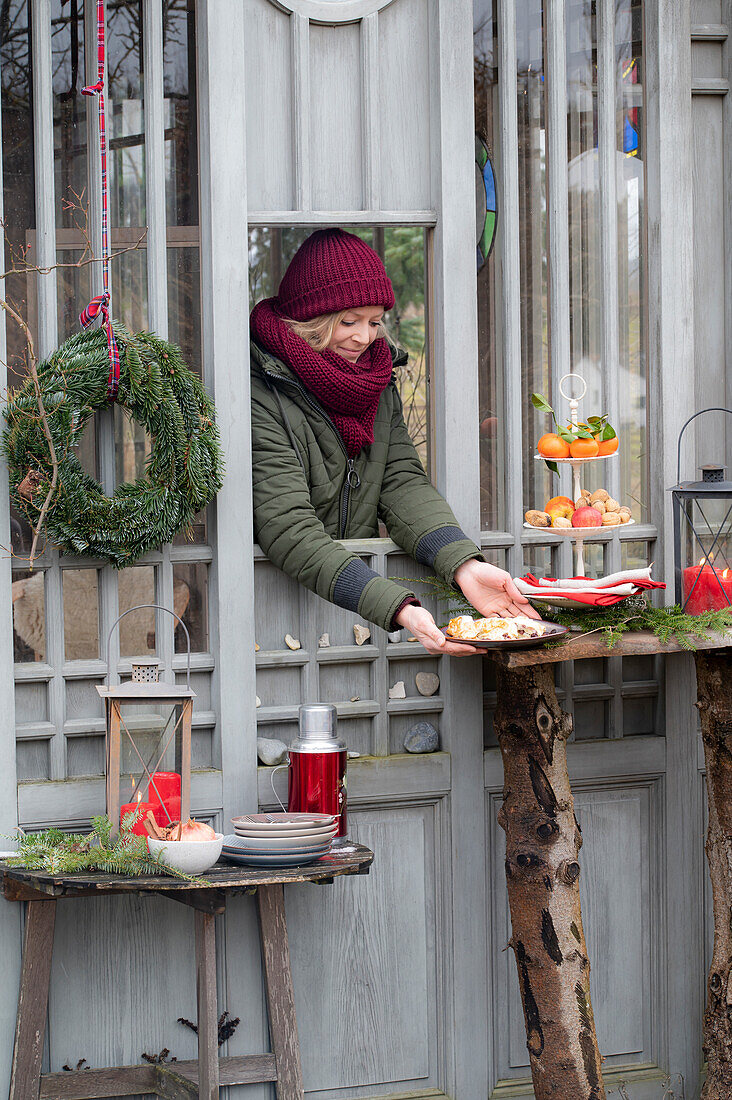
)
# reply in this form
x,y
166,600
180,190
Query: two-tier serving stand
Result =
x,y
576,534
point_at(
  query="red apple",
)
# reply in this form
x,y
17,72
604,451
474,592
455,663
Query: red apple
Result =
x,y
586,517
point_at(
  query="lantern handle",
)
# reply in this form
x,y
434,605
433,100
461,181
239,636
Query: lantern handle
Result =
x,y
716,409
139,607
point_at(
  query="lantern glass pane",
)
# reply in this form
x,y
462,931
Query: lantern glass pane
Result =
x,y
706,554
150,726
137,630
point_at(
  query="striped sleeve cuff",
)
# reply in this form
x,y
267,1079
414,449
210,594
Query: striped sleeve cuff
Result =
x,y
350,584
430,545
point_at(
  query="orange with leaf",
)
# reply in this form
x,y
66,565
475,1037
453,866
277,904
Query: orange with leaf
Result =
x,y
591,439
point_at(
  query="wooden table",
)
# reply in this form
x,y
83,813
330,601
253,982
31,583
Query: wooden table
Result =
x,y
181,1080
543,840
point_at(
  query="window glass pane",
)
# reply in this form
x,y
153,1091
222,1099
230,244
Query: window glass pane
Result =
x,y
535,375
584,201
126,159
632,427
81,613
402,250
132,446
184,302
490,396
181,179
190,599
70,159
181,144
197,532
137,630
18,176
29,615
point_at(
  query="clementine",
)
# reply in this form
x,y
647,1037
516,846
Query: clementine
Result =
x,y
551,446
608,446
584,448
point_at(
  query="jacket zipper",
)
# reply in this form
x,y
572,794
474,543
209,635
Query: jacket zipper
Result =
x,y
351,480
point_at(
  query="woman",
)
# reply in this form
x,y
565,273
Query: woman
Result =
x,y
331,452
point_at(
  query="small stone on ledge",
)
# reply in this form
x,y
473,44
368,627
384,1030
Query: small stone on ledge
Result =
x,y
291,643
271,751
361,633
399,691
427,682
422,737
324,641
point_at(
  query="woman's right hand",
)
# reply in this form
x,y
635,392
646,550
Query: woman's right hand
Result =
x,y
421,624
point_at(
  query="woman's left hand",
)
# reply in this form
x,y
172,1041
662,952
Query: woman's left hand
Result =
x,y
491,590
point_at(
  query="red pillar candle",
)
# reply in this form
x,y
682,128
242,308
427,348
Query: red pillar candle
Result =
x,y
711,591
164,793
138,828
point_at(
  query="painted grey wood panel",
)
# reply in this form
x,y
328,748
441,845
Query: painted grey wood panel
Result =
x,y
269,88
123,972
335,123
619,863
710,284
403,75
366,956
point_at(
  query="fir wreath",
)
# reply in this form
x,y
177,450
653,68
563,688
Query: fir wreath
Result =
x,y
184,469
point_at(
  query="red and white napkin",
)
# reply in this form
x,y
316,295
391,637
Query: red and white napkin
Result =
x,y
603,592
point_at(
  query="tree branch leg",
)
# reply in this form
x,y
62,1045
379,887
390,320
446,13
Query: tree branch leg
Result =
x,y
542,845
714,691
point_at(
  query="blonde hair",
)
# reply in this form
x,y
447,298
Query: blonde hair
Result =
x,y
318,331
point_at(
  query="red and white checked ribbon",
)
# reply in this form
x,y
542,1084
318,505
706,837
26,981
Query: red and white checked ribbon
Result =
x,y
101,304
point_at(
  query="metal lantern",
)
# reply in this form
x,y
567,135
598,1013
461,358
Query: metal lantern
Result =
x,y
702,512
148,725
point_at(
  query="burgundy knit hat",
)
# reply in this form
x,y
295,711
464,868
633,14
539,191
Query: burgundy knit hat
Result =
x,y
333,270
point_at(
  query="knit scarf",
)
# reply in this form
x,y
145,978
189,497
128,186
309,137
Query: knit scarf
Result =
x,y
349,392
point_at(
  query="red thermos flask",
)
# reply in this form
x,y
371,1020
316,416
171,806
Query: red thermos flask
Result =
x,y
317,772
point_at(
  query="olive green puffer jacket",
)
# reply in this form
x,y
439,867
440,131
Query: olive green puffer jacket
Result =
x,y
308,494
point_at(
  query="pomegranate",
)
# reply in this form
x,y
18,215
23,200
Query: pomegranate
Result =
x,y
194,830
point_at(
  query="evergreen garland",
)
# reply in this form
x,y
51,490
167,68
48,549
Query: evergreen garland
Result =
x,y
184,469
634,613
63,853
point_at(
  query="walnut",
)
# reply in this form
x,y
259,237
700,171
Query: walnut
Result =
x,y
611,519
599,494
538,519
561,521
625,515
612,505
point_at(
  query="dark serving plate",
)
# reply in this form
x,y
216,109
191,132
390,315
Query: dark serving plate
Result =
x,y
553,631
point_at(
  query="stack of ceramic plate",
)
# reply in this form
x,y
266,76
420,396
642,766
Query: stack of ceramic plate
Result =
x,y
279,840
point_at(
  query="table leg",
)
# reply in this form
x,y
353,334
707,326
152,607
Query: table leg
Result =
x,y
542,870
280,994
35,978
208,1031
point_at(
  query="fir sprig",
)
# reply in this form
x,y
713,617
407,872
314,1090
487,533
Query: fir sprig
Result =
x,y
635,613
70,853
665,622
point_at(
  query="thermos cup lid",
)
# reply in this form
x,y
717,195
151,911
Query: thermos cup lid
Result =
x,y
317,731
317,720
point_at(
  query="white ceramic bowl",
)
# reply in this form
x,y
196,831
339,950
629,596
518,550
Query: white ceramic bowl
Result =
x,y
193,857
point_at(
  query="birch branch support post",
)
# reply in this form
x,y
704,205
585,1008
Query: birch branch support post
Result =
x,y
714,693
543,840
